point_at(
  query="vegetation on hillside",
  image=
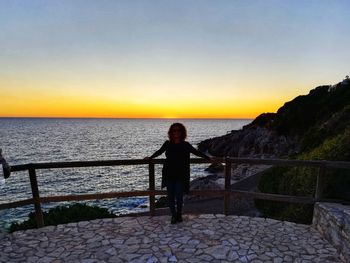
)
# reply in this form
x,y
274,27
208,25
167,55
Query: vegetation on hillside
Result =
x,y
321,123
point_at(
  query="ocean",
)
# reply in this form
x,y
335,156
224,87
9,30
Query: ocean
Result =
x,y
29,140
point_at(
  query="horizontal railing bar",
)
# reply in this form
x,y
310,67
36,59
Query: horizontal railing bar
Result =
x,y
88,164
20,167
82,197
337,164
275,197
278,162
282,162
81,164
328,200
256,195
17,204
75,164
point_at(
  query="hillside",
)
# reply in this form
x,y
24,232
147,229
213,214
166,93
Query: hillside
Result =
x,y
313,126
298,126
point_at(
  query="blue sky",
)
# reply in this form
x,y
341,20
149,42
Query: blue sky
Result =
x,y
134,54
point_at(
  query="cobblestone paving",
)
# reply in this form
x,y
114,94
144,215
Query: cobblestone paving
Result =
x,y
203,238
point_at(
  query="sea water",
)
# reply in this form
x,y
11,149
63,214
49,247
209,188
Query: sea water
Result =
x,y
30,140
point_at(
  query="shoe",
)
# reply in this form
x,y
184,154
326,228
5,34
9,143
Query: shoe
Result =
x,y
179,218
173,220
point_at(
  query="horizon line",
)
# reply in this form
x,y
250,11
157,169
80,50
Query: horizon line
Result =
x,y
145,118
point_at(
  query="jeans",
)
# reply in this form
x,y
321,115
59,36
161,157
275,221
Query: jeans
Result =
x,y
175,192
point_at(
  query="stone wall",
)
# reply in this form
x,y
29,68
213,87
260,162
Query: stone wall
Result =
x,y
333,222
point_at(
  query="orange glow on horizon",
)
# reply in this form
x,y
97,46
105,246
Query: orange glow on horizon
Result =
x,y
84,111
89,102
70,107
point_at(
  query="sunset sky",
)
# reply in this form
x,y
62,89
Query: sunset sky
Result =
x,y
164,59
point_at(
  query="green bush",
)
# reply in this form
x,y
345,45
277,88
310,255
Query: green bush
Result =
x,y
287,181
330,128
63,215
301,181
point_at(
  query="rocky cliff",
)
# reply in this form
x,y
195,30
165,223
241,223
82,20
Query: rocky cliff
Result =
x,y
310,127
298,126
251,141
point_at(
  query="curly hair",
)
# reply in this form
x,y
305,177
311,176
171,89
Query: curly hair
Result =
x,y
179,126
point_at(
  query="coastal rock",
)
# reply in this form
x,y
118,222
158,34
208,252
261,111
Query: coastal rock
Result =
x,y
300,124
210,182
243,171
206,183
251,141
256,140
162,202
215,168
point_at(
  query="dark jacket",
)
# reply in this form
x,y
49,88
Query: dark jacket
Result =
x,y
177,163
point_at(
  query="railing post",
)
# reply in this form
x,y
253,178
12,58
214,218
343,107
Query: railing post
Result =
x,y
152,203
227,186
320,183
36,198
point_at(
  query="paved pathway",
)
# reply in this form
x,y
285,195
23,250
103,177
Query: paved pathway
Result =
x,y
203,238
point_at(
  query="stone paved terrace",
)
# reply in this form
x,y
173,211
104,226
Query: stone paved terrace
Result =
x,y
200,238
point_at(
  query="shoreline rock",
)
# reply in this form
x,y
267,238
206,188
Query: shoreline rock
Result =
x,y
251,141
